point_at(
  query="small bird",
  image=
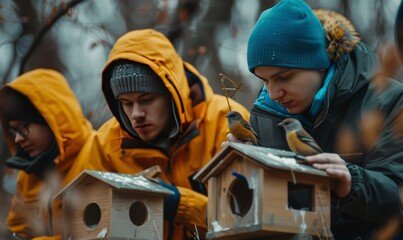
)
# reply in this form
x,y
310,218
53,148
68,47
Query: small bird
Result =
x,y
299,140
241,129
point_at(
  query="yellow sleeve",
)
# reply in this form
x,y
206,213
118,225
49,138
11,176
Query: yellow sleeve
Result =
x,y
16,220
192,209
48,238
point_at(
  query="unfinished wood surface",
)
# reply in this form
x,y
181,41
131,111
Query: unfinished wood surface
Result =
x,y
265,157
151,172
213,190
90,191
225,216
146,221
222,164
106,205
278,217
244,233
269,213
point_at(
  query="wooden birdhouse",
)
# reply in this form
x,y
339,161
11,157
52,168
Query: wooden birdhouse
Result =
x,y
257,192
106,205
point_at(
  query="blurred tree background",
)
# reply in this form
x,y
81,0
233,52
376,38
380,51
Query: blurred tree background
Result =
x,y
75,37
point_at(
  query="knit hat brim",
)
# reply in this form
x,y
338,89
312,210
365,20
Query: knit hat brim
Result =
x,y
130,76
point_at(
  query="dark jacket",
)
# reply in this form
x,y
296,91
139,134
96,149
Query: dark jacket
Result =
x,y
351,95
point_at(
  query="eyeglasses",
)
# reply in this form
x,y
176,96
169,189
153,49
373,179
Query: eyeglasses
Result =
x,y
21,129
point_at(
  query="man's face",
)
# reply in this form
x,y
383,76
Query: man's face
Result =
x,y
294,89
150,115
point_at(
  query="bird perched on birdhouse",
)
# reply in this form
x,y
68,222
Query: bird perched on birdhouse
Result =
x,y
299,140
241,129
264,193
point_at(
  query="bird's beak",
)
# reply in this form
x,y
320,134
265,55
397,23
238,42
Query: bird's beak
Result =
x,y
280,124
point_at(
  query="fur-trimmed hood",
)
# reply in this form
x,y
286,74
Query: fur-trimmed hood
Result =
x,y
340,33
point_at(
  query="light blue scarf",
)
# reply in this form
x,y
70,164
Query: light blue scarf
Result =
x,y
264,102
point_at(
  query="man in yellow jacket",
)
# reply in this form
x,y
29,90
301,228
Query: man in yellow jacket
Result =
x,y
45,129
166,114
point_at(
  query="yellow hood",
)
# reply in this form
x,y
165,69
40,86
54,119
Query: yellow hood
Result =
x,y
50,93
140,46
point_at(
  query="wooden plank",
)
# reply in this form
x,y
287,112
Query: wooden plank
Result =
x,y
90,191
225,216
121,223
217,168
150,173
279,217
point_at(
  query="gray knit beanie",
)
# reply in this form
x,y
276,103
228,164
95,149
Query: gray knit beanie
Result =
x,y
135,77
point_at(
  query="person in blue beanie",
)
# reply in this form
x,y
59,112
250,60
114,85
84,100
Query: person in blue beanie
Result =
x,y
315,68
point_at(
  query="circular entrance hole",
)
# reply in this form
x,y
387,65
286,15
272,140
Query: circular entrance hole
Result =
x,y
92,215
138,213
240,197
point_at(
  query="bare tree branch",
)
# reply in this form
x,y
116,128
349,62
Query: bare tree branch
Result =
x,y
63,9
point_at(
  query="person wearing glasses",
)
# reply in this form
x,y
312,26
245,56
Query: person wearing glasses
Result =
x,y
45,129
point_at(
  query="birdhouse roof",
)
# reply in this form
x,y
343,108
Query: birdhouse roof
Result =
x,y
263,156
119,181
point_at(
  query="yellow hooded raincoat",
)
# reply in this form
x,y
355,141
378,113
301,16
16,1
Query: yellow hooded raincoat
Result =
x,y
33,213
203,127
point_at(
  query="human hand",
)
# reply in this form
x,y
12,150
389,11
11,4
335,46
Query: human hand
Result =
x,y
232,138
336,167
171,202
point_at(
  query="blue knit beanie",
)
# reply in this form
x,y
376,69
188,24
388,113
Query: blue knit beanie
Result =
x,y
288,35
